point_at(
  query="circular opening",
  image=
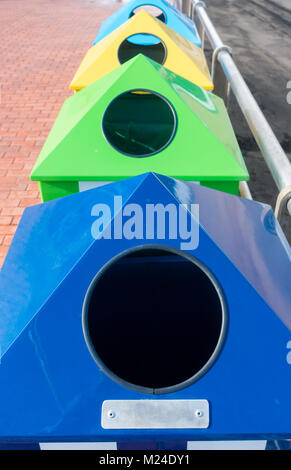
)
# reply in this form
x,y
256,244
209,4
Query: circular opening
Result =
x,y
146,44
139,123
154,319
152,10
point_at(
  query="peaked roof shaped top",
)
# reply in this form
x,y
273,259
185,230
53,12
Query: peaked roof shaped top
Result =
x,y
52,261
76,148
181,56
59,234
173,18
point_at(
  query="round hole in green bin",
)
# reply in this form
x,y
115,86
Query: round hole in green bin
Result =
x,y
152,10
139,123
143,43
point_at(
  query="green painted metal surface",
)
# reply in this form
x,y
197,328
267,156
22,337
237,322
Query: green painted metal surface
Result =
x,y
96,137
54,189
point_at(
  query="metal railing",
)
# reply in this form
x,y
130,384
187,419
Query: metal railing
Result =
x,y
226,76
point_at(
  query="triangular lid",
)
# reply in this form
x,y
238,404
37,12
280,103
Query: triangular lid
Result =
x,y
179,55
51,380
202,136
168,14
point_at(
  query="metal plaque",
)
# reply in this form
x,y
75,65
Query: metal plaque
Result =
x,y
155,414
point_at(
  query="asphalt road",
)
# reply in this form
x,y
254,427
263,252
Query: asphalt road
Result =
x,y
259,32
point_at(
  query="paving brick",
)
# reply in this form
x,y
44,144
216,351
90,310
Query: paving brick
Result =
x,y
12,211
9,202
25,202
7,240
7,229
5,220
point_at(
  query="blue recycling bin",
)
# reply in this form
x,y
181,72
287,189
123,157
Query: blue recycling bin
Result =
x,y
148,309
169,15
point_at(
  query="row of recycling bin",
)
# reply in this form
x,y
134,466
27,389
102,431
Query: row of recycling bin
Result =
x,y
92,326
146,105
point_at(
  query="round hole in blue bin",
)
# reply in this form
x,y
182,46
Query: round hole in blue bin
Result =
x,y
154,319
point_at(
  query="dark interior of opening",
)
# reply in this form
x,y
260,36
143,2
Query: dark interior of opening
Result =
x,y
146,44
139,123
152,10
154,318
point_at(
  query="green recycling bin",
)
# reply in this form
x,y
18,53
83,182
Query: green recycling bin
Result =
x,y
139,118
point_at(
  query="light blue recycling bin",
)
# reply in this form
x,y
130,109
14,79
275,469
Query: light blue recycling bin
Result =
x,y
169,15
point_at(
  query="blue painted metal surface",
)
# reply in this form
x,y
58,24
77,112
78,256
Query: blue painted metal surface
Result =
x,y
50,387
19,446
174,19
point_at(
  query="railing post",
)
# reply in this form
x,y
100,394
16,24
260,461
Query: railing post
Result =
x,y
220,82
186,7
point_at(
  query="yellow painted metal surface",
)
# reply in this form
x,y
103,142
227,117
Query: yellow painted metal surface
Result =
x,y
182,57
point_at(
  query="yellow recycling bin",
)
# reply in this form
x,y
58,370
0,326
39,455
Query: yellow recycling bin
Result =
x,y
169,49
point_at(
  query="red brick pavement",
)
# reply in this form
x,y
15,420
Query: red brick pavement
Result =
x,y
42,45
